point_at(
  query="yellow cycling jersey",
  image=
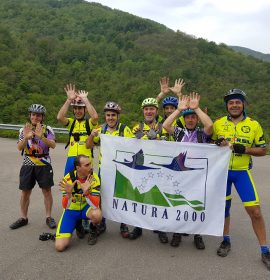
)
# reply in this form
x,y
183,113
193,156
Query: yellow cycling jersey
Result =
x,y
247,132
77,145
78,200
120,130
177,122
144,131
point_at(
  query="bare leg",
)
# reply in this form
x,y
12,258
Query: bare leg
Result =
x,y
24,202
257,223
226,230
62,243
95,216
48,201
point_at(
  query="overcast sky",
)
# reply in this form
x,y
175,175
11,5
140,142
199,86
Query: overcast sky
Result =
x,y
244,23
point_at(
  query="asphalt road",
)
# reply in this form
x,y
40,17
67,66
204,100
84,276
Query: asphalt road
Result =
x,y
24,256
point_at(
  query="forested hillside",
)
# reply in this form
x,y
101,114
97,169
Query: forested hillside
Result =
x,y
247,51
45,44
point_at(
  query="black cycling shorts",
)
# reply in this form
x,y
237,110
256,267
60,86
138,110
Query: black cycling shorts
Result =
x,y
29,175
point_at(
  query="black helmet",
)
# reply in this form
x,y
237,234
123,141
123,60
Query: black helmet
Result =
x,y
235,93
37,108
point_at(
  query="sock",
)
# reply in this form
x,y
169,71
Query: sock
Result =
x,y
264,249
227,238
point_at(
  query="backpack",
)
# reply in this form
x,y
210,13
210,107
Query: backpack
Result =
x,y
87,127
121,129
73,179
179,123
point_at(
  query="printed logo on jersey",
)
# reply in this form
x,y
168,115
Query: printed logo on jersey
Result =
x,y
245,129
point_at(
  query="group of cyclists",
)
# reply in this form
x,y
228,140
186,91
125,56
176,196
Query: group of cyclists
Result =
x,y
81,185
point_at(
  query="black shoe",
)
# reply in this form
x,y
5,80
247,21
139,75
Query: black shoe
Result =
x,y
137,232
177,238
19,223
266,259
92,238
80,232
224,248
124,230
50,222
198,241
163,238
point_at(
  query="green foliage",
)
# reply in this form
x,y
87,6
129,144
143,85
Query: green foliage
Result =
x,y
8,134
246,51
45,44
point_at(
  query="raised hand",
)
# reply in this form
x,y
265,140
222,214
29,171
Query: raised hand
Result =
x,y
183,103
178,85
70,91
27,131
164,85
82,94
65,186
39,130
86,186
194,100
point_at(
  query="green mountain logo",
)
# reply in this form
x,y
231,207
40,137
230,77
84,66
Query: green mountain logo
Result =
x,y
177,199
124,189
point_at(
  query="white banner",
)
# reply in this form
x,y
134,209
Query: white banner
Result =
x,y
166,186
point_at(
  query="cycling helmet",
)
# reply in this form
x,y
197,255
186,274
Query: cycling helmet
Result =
x,y
77,102
150,102
37,108
235,94
188,112
170,100
112,106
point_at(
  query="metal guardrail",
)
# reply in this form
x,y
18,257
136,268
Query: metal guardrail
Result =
x,y
17,127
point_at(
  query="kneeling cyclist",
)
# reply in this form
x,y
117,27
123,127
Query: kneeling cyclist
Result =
x,y
81,199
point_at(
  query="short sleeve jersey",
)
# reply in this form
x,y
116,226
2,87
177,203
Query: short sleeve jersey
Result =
x,y
79,147
78,200
36,152
161,133
126,132
247,132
